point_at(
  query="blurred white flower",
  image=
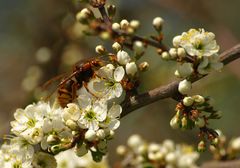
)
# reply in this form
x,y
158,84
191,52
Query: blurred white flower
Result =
x,y
17,153
197,42
29,122
235,144
44,160
68,159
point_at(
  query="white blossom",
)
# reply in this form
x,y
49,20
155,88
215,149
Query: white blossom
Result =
x,y
109,86
93,112
184,70
209,64
17,153
112,121
29,122
54,130
197,43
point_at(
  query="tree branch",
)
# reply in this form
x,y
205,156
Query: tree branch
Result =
x,y
171,90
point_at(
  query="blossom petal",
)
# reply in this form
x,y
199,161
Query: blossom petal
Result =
x,y
119,73
115,111
114,124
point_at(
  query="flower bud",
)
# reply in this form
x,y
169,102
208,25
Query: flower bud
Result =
x,y
174,122
142,149
116,26
177,41
199,99
71,124
173,53
181,52
102,146
169,144
100,49
138,47
201,146
116,46
158,23
101,134
121,150
200,122
105,35
111,10
81,150
144,66
171,158
123,58
124,24
90,135
188,101
135,24
84,15
184,70
155,156
235,144
97,3
111,134
184,122
52,139
134,141
131,68
165,55
184,86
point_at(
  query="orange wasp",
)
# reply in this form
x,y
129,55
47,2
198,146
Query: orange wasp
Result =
x,y
81,74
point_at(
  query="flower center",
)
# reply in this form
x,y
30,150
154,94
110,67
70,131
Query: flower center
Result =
x,y
110,84
90,115
31,122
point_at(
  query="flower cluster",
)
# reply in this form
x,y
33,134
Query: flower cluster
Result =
x,y
140,153
196,111
196,51
223,150
68,159
86,124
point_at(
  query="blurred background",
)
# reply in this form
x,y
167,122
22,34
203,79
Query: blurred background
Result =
x,y
40,39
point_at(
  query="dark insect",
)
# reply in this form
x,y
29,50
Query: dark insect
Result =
x,y
81,74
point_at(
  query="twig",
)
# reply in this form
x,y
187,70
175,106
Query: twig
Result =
x,y
133,37
171,90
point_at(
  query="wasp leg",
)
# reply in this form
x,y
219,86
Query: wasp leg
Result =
x,y
85,84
